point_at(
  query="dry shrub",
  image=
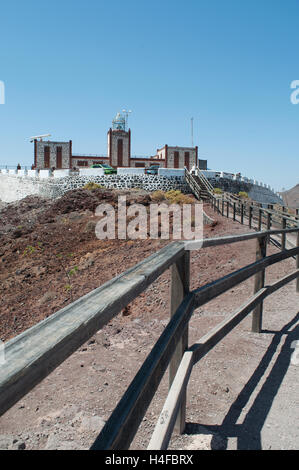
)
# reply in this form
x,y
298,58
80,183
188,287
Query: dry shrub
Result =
x,y
91,185
218,191
176,197
158,196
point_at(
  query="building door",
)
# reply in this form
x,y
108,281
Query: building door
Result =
x,y
176,159
120,152
58,157
47,157
187,160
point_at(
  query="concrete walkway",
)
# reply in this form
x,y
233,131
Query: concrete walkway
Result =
x,y
265,415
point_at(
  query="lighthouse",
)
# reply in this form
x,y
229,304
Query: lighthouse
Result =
x,y
119,143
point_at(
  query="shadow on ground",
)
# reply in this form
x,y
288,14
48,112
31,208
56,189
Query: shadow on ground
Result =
x,y
248,433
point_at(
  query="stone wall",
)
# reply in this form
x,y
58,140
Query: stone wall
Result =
x,y
13,188
259,193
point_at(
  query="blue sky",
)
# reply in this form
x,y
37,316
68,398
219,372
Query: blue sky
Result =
x,y
69,66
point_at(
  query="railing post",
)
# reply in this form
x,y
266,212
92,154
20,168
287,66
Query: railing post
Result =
x,y
269,220
227,209
283,235
259,283
297,264
222,206
260,220
242,213
250,216
234,211
180,280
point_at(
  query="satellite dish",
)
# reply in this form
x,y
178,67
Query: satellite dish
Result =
x,y
41,137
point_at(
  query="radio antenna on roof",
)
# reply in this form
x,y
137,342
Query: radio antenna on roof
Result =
x,y
40,137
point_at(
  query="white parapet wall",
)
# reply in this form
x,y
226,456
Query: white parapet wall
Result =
x,y
130,171
21,172
92,171
33,173
12,172
172,172
211,174
229,176
61,173
45,174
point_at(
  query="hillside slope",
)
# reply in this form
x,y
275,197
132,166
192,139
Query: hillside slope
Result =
x,y
230,393
291,197
50,255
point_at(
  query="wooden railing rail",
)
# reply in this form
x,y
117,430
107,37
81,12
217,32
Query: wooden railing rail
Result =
x,y
178,323
31,356
228,205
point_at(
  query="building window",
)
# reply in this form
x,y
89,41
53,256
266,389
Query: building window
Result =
x,y
176,160
120,152
58,157
82,163
187,160
47,157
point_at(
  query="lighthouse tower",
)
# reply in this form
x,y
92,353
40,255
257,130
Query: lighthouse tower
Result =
x,y
119,143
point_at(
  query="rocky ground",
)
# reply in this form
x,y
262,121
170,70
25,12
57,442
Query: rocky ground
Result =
x,y
68,409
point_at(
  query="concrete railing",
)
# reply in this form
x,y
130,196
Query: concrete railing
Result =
x,y
214,174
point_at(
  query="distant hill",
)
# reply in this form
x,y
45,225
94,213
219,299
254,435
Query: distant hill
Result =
x,y
291,197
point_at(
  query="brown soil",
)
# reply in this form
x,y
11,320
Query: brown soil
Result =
x,y
68,409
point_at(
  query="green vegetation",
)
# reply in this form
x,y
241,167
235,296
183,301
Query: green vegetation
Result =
x,y
172,197
29,250
218,191
177,197
91,185
243,195
158,196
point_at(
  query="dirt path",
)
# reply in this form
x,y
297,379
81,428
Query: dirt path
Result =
x,y
241,395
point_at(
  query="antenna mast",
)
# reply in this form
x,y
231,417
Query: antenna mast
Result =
x,y
192,143
126,117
